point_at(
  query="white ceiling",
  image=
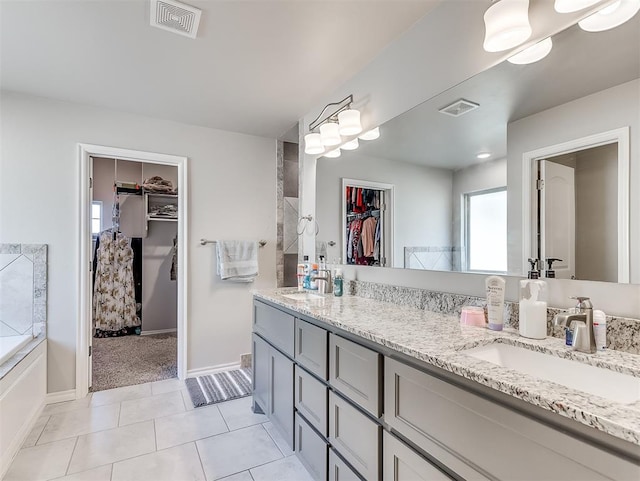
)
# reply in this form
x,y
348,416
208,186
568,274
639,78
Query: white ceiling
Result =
x,y
580,64
256,66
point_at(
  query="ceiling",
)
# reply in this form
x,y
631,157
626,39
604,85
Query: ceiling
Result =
x,y
579,64
256,67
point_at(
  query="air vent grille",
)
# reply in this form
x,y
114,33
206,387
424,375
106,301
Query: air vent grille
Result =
x,y
175,17
459,107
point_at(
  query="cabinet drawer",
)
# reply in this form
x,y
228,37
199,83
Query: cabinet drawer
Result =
x,y
311,449
311,399
479,439
339,470
274,325
311,348
355,437
401,463
355,371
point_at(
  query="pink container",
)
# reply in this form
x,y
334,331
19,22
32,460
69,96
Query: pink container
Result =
x,y
472,316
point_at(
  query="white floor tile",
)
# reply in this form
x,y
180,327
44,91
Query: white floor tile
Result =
x,y
287,469
167,385
189,426
188,403
41,462
112,396
36,431
137,410
278,439
103,473
179,463
81,421
238,414
113,445
243,476
230,453
64,407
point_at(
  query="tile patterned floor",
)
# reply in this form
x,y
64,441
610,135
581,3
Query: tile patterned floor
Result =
x,y
151,432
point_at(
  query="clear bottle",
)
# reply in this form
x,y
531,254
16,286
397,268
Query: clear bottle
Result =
x,y
313,285
533,309
338,283
306,282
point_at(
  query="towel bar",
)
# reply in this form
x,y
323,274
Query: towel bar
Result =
x,y
203,242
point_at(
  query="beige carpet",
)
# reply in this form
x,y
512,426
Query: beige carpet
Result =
x,y
129,360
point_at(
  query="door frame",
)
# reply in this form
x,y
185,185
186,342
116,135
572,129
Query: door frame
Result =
x,y
84,315
621,136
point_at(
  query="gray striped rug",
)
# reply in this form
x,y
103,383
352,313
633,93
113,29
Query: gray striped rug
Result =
x,y
219,387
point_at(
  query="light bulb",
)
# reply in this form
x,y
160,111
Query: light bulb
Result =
x,y
349,121
372,134
507,25
534,53
611,16
330,134
313,144
351,145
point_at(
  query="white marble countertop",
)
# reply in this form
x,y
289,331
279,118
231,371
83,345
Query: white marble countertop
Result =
x,y
437,339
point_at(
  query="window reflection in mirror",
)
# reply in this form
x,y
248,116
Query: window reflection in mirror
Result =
x,y
486,230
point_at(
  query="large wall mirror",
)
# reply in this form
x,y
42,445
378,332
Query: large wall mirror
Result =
x,y
456,209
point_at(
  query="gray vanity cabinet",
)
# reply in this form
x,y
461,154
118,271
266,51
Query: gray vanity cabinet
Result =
x,y
312,450
311,348
311,398
275,326
260,355
401,463
339,470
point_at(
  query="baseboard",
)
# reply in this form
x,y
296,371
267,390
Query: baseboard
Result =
x,y
157,331
204,371
60,396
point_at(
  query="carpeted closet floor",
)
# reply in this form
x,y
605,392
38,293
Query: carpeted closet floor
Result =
x,y
129,360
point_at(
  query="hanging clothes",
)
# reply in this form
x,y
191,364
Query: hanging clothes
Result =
x,y
174,260
368,236
114,303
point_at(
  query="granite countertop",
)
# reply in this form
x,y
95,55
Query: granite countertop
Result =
x,y
437,339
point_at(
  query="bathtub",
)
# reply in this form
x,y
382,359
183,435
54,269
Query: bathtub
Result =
x,y
12,344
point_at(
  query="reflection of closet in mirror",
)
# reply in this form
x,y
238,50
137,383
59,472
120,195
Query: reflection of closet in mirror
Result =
x,y
366,207
579,211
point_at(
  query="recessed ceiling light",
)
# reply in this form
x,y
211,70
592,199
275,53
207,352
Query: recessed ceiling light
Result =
x,y
483,155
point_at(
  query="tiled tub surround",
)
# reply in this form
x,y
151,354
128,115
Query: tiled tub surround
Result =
x,y
623,334
437,339
23,298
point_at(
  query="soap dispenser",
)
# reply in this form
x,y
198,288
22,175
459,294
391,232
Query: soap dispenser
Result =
x,y
550,273
533,309
534,272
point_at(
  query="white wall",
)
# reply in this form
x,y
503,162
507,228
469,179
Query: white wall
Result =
x,y
422,200
232,194
606,110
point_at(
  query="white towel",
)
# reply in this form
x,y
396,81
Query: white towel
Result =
x,y
237,260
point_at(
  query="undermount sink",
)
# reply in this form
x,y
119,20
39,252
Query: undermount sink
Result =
x,y
621,388
302,296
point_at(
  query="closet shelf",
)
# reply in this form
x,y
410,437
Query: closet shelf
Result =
x,y
163,218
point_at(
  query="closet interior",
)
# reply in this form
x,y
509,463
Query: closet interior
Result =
x,y
134,223
364,209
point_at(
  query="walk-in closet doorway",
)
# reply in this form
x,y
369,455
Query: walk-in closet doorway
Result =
x,y
133,271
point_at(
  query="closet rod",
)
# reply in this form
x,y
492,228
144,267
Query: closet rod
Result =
x,y
203,242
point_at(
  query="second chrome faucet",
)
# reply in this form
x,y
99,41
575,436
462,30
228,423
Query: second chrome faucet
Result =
x,y
580,323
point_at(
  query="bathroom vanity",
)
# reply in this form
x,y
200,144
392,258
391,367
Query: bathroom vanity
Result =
x,y
364,389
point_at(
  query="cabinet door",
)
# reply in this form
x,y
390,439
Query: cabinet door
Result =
x,y
339,470
401,463
311,398
311,449
281,394
355,436
311,348
274,325
354,370
261,363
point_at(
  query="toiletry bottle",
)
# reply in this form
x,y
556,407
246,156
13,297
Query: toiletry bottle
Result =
x,y
533,309
322,265
534,272
307,273
338,283
300,275
313,284
600,329
550,273
495,301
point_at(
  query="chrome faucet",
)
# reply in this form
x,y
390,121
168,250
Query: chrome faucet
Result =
x,y
324,281
580,324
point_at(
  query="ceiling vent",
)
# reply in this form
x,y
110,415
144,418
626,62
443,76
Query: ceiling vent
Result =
x,y
175,17
459,107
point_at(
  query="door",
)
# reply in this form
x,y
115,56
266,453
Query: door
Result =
x,y
281,394
558,211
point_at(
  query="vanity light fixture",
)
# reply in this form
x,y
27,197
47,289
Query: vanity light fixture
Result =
x,y
532,54
506,25
351,145
336,120
568,6
372,134
332,154
611,16
483,155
